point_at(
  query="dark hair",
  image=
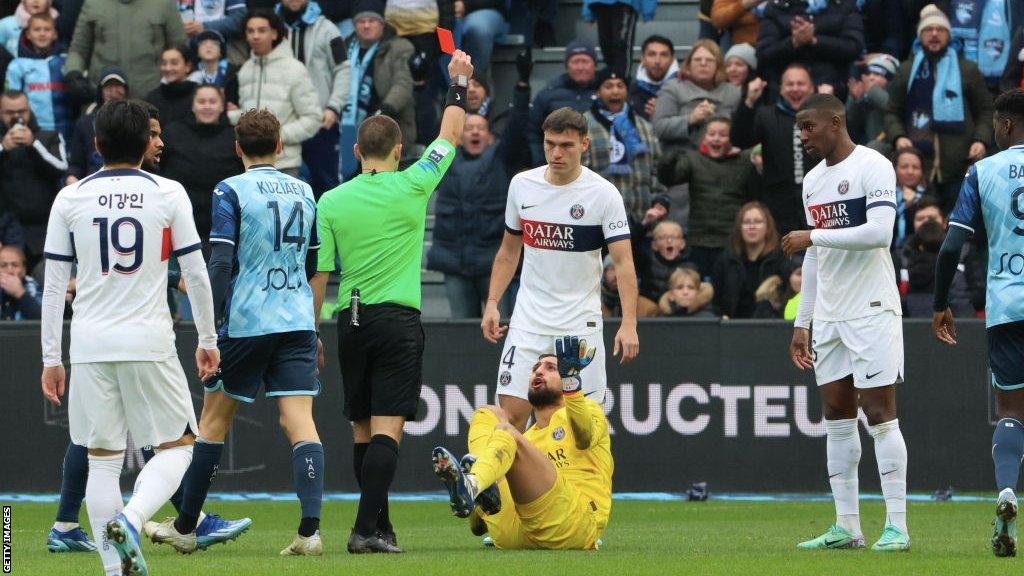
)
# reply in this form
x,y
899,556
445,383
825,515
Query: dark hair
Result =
x,y
912,151
800,66
13,94
378,136
565,119
658,39
214,87
151,110
272,18
1011,103
122,132
185,51
825,103
258,132
929,236
928,201
771,239
17,251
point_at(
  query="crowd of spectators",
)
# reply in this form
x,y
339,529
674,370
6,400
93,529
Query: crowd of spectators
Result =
x,y
702,144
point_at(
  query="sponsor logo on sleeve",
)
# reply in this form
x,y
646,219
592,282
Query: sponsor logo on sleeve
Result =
x,y
437,154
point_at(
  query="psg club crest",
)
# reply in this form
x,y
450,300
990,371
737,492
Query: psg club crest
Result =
x,y
558,433
505,379
576,211
844,186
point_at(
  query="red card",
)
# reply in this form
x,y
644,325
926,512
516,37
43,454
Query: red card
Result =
x,y
445,39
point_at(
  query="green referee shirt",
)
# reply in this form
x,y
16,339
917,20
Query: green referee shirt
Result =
x,y
374,223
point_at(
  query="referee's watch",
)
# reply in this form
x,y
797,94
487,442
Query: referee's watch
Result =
x,y
461,81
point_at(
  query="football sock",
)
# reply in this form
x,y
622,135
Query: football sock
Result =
x,y
147,455
384,517
481,426
891,454
843,452
379,467
495,459
308,470
72,484
196,484
159,478
1007,451
103,501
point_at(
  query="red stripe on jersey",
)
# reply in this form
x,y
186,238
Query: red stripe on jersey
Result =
x,y
165,250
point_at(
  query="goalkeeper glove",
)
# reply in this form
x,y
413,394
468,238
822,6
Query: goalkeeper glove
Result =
x,y
573,356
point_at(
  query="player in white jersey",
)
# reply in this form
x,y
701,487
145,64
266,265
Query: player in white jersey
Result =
x,y
564,214
121,225
850,293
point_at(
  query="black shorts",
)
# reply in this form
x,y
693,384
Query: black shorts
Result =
x,y
284,362
381,361
1006,355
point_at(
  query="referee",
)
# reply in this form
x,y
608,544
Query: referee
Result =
x,y
374,225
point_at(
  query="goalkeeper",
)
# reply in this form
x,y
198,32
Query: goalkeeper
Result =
x,y
549,487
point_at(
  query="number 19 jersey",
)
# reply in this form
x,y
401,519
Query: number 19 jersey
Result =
x,y
270,219
121,226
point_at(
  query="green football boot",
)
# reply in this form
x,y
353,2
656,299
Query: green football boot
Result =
x,y
835,538
893,540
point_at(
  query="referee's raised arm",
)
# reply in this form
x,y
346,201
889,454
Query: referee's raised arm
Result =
x,y
373,226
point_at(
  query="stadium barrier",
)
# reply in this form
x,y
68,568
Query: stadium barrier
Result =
x,y
706,401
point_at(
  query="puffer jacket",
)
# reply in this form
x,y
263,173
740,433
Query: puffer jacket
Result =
x,y
281,84
838,28
127,33
317,43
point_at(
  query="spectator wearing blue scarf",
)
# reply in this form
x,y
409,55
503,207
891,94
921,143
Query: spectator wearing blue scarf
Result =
x,y
623,148
940,104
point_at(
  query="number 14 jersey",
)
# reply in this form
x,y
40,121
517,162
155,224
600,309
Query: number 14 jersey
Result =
x,y
270,219
121,226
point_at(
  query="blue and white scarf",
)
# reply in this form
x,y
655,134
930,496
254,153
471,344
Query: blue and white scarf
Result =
x,y
947,97
624,141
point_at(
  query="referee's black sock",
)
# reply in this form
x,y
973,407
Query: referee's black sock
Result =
x,y
358,455
379,466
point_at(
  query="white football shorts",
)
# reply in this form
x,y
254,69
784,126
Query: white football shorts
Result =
x,y
869,348
521,351
108,399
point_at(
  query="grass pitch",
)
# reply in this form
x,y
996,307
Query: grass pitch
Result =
x,y
662,538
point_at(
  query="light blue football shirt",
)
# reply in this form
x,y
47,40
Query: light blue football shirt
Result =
x,y
270,218
992,199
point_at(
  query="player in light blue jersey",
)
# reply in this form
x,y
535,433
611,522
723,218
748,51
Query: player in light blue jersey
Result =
x,y
992,199
264,240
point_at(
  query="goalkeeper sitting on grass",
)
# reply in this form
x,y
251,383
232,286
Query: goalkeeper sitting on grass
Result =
x,y
547,488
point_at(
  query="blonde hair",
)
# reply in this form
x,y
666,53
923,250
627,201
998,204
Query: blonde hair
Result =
x,y
654,232
715,51
680,275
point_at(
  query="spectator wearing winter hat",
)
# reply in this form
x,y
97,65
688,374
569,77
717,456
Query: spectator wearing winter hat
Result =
x,y
616,27
574,89
623,148
867,100
740,64
210,50
317,43
83,159
940,104
479,101
737,17
381,81
657,65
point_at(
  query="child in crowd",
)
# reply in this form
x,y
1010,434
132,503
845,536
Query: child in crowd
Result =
x,y
668,251
687,296
12,26
37,72
210,52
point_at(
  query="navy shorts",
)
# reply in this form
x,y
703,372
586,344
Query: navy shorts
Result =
x,y
285,363
1006,355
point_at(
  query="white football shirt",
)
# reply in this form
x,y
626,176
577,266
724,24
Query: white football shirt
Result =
x,y
852,283
563,229
121,226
